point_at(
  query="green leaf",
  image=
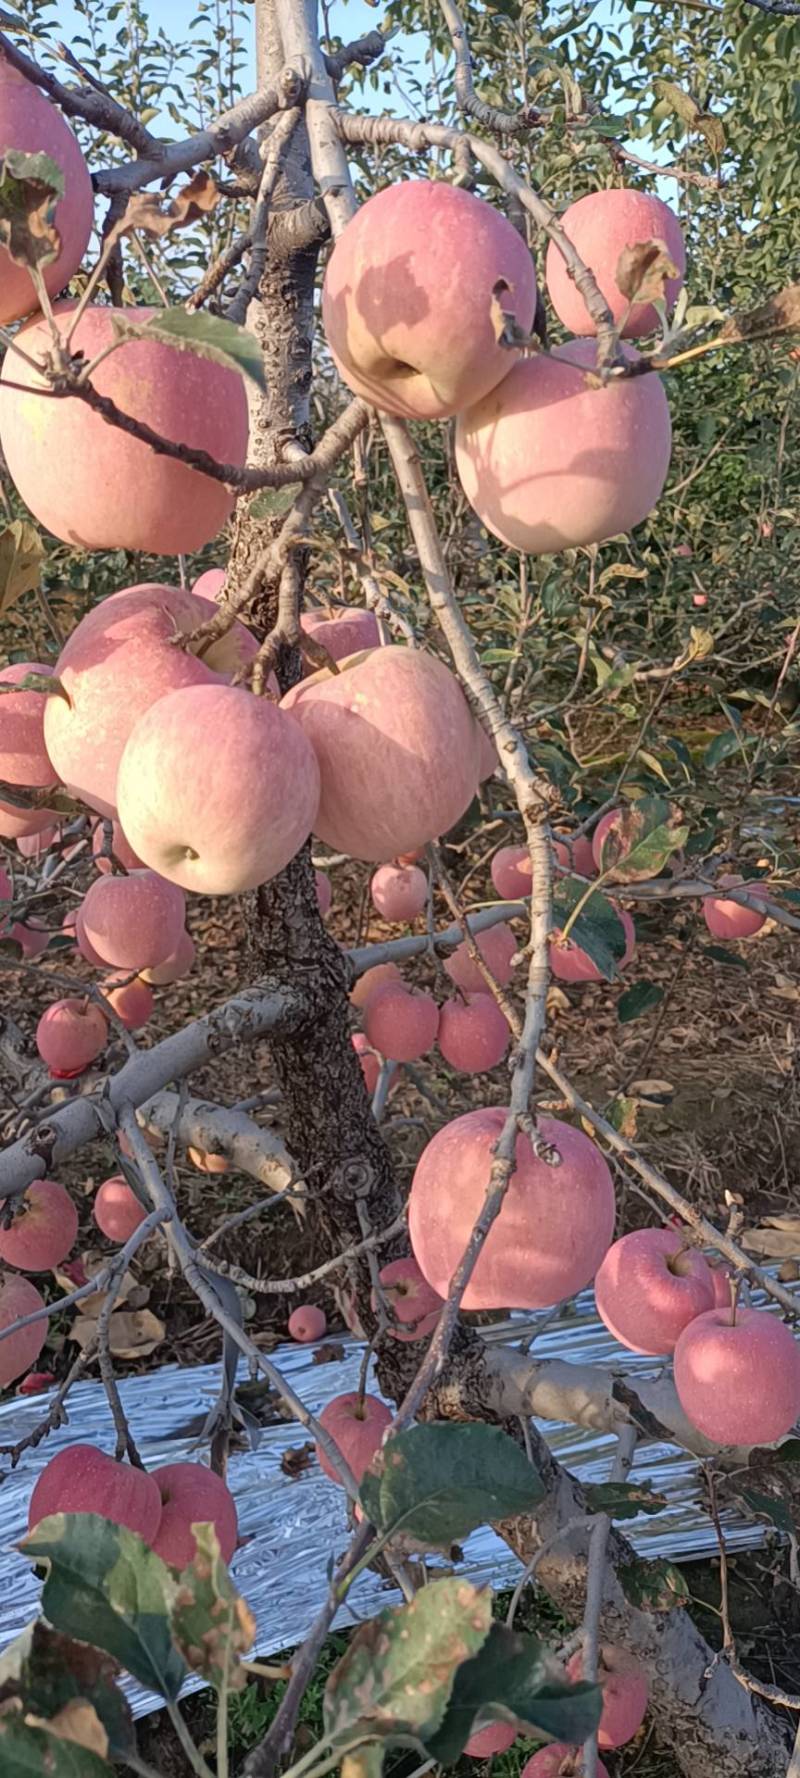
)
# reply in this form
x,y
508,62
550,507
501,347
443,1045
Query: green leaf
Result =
x,y
720,955
788,1452
724,745
770,1506
397,1675
211,1626
679,102
598,929
439,1482
209,336
623,1500
27,1752
644,837
514,1678
105,1586
653,1586
272,503
47,1672
30,187
46,683
638,1000
21,556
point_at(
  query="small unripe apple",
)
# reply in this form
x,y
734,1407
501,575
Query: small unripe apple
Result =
x,y
401,1023
415,1306
191,1494
357,1424
307,1323
625,1693
473,1033
83,1479
738,1378
43,1228
117,1210
494,1737
497,946
399,892
649,1287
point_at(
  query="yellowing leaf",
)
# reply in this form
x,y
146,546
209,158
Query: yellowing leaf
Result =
x,y
21,555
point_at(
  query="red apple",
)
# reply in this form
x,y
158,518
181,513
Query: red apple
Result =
x,y
399,892
511,872
44,1227
18,1297
132,1001
134,921
625,1693
497,946
70,1035
174,967
494,1737
415,1306
117,1210
356,1423
559,1760
473,1034
601,226
83,1479
371,980
649,1287
307,1323
401,1023
191,1494
554,1227
738,1379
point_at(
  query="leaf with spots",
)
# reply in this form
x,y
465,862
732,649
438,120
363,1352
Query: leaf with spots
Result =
x,y
54,1678
438,1483
29,1751
211,1625
514,1679
30,187
397,1675
642,839
106,1587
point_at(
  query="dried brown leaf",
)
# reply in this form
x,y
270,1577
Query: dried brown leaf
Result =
x,y
771,1243
194,200
643,269
76,1721
21,556
779,314
131,1334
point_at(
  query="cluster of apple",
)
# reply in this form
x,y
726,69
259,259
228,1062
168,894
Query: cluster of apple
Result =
x,y
161,1506
546,460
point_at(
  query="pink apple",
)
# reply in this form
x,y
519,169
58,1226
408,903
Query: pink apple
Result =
x,y
554,1227
738,1380
18,1297
569,963
70,1035
497,946
307,1323
494,1737
83,1479
191,1494
182,800
370,1062
575,855
43,1228
132,1000
371,980
473,1034
341,632
356,1423
401,1023
730,919
399,892
123,853
324,892
601,226
649,1287
511,872
625,1694
559,1760
117,1210
414,1305
135,921
32,124
174,967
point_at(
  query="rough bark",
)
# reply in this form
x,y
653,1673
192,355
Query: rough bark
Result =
x,y
326,1116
